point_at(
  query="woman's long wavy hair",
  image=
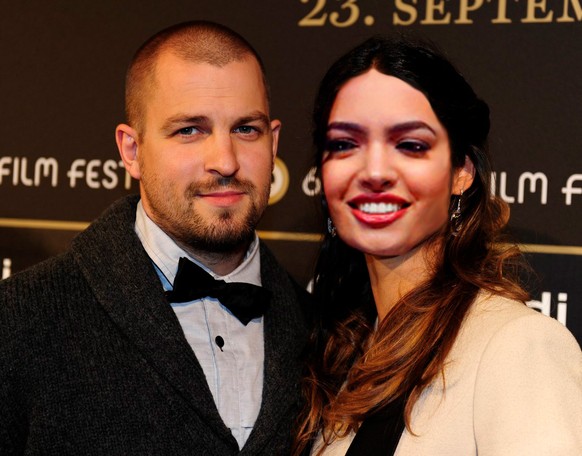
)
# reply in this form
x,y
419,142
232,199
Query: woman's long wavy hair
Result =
x,y
352,370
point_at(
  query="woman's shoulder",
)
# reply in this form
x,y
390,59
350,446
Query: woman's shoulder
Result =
x,y
493,306
494,316
513,330
529,377
500,333
494,319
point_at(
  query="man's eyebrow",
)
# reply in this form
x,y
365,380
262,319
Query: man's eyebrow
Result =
x,y
256,116
182,119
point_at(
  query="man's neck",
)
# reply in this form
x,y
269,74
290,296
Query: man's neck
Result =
x,y
221,263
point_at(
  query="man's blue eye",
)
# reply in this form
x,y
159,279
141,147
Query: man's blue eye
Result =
x,y
187,131
246,129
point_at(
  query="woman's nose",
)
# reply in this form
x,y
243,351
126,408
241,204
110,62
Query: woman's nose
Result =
x,y
378,172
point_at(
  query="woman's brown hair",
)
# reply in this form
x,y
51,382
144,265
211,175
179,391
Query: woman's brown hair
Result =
x,y
352,369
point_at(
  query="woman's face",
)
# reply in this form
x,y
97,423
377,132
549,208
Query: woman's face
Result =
x,y
386,170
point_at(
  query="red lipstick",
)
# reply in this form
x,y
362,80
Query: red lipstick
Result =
x,y
378,210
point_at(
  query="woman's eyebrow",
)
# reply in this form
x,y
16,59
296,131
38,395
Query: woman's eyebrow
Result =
x,y
409,126
346,126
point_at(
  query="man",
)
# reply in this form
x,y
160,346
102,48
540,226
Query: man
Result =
x,y
102,352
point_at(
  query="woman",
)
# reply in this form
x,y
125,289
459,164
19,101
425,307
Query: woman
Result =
x,y
424,345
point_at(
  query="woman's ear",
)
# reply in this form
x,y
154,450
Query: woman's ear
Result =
x,y
463,177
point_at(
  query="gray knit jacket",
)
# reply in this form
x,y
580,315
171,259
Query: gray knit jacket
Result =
x,y
93,360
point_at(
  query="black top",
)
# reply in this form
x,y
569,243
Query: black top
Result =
x,y
380,432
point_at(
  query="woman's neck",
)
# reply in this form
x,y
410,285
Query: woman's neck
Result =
x,y
393,277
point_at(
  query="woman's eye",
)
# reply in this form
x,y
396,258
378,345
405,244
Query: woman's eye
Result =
x,y
339,145
413,146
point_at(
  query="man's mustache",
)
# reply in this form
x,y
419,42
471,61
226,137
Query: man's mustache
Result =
x,y
221,184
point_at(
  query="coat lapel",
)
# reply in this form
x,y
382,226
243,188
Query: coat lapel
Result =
x,y
125,283
285,335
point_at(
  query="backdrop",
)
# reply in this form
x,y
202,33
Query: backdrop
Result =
x,y
62,77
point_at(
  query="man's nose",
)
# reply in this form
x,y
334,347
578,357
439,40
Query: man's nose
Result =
x,y
221,156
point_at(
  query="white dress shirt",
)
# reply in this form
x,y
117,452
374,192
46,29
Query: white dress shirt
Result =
x,y
234,372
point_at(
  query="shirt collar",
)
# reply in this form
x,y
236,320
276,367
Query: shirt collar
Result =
x,y
165,253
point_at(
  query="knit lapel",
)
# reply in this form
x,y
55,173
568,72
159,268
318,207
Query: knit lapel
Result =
x,y
285,335
124,281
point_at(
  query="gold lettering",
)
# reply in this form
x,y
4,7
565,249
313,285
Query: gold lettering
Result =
x,y
501,13
352,18
532,6
565,17
464,9
438,6
310,20
405,8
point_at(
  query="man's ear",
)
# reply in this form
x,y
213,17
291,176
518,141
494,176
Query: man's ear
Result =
x,y
126,139
275,129
463,177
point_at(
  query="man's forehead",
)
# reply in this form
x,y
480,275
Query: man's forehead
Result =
x,y
168,62
173,73
219,94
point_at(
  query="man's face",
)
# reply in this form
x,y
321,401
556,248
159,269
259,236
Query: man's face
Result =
x,y
206,154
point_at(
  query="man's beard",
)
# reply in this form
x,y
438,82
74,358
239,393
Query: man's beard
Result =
x,y
228,231
227,235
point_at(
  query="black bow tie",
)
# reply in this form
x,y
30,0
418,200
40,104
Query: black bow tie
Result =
x,y
244,300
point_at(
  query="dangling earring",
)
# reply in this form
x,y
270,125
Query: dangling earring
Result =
x,y
456,217
331,228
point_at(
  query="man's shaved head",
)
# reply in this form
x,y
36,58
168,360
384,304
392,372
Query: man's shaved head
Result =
x,y
195,41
